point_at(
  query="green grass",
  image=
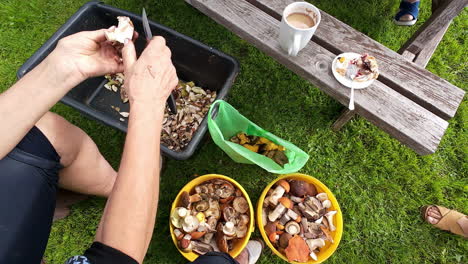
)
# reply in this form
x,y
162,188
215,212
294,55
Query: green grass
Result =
x,y
379,183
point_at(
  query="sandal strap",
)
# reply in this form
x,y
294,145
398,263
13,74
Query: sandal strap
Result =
x,y
449,221
407,8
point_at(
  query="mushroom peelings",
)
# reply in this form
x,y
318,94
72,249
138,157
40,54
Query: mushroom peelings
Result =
x,y
262,146
296,217
212,217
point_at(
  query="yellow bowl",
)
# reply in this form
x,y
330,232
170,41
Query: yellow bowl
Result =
x,y
329,248
240,244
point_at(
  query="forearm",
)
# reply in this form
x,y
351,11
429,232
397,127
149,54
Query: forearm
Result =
x,y
130,212
28,100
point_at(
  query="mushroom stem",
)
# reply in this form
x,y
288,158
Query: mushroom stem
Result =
x,y
329,217
276,213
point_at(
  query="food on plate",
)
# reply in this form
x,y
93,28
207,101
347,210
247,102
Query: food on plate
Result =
x,y
262,146
212,217
123,31
298,220
366,64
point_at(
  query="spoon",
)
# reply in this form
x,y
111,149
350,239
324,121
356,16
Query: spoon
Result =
x,y
351,73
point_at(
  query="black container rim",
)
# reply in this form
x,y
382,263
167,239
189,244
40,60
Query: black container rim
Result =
x,y
99,116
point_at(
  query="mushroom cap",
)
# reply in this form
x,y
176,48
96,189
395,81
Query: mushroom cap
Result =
x,y
244,219
301,188
240,204
286,202
190,223
284,240
322,196
202,206
284,184
270,227
293,228
229,229
229,213
184,199
225,190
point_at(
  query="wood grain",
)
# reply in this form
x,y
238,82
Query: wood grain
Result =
x,y
405,120
421,86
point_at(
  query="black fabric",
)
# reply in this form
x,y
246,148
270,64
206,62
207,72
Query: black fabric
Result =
x,y
215,258
100,253
37,144
28,186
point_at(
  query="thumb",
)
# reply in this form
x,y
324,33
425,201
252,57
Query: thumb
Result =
x,y
128,55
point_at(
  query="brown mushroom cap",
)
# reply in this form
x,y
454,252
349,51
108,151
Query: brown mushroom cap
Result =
x,y
184,199
270,227
241,205
202,206
284,240
301,188
286,202
284,184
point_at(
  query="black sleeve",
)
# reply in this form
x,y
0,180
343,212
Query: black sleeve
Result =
x,y
99,253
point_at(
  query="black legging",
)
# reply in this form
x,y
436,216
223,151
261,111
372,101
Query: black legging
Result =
x,y
28,187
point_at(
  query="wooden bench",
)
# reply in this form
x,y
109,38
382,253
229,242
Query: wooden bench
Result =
x,y
407,101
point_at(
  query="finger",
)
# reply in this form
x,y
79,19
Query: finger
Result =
x,y
96,35
135,35
128,55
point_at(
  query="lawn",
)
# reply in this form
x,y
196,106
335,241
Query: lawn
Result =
x,y
379,183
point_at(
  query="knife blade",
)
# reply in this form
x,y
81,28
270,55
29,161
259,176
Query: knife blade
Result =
x,y
146,27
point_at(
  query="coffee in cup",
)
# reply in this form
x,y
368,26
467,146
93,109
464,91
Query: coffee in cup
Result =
x,y
300,20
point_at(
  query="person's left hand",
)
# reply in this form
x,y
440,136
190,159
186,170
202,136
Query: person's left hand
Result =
x,y
85,54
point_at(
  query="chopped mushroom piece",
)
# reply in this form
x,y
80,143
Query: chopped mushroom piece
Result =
x,y
201,248
190,224
329,217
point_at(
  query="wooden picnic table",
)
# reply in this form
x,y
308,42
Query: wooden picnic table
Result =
x,y
407,101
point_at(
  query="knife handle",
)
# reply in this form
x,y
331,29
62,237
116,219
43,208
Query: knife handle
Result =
x,y
172,104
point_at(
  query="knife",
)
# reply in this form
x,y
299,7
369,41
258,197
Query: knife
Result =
x,y
170,101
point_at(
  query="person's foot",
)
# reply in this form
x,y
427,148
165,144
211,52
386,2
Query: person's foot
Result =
x,y
408,13
251,252
446,219
433,215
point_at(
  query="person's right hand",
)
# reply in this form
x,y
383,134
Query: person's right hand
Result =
x,y
151,78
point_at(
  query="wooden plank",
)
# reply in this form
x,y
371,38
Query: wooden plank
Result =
x,y
344,118
425,41
397,115
424,56
421,86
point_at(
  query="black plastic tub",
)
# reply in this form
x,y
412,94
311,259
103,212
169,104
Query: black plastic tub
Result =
x,y
194,61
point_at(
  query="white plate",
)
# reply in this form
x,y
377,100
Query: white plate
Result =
x,y
345,80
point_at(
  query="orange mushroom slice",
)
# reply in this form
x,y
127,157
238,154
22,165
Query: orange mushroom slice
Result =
x,y
297,250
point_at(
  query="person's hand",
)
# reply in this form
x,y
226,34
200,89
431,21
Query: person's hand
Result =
x,y
151,78
85,54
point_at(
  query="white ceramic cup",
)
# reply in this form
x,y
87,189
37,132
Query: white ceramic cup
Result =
x,y
293,39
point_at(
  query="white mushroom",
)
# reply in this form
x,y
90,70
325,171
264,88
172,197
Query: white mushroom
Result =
x,y
313,255
292,228
326,204
279,191
123,31
275,214
177,216
229,229
315,243
322,196
190,224
329,216
319,221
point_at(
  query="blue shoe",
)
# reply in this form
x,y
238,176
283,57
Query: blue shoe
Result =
x,y
407,8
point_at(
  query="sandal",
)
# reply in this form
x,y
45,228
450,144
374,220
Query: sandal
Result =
x,y
451,220
407,8
254,249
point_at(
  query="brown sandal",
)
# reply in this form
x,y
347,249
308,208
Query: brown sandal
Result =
x,y
451,220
